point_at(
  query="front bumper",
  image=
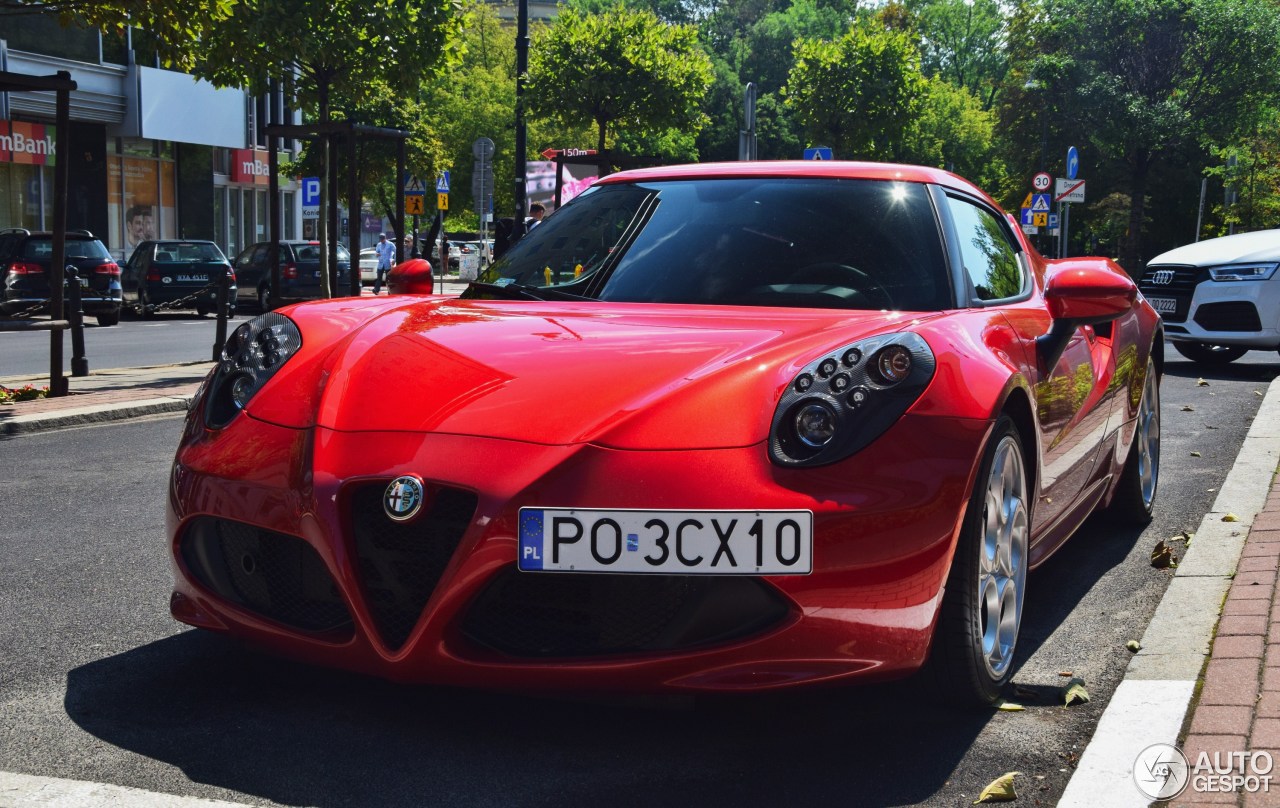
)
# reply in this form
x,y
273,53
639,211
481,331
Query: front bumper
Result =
x,y
1244,313
885,527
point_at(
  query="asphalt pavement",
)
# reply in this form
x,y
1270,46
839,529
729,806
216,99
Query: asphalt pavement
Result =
x,y
1166,697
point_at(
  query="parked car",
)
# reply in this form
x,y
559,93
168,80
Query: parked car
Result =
x,y
716,427
177,275
1219,298
368,266
299,273
26,259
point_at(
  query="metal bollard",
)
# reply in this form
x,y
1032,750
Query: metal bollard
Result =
x,y
79,362
220,331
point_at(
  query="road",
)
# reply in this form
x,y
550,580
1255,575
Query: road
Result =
x,y
168,338
98,684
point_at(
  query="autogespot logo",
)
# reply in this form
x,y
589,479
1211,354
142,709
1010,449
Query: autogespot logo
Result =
x,y
1161,771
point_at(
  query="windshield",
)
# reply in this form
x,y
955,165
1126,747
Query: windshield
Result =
x,y
811,242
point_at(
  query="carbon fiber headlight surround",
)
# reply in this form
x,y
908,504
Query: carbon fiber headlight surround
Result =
x,y
842,401
251,356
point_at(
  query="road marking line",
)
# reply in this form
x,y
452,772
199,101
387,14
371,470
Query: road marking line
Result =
x,y
29,791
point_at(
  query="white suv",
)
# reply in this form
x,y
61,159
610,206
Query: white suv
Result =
x,y
1219,298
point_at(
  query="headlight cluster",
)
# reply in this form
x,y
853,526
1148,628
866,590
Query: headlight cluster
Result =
x,y
839,403
1243,272
252,355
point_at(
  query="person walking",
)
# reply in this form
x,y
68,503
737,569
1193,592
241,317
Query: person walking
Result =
x,y
386,253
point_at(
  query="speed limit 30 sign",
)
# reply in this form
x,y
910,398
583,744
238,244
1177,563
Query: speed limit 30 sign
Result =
x,y
1041,181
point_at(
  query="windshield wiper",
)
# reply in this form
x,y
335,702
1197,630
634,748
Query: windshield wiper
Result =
x,y
520,291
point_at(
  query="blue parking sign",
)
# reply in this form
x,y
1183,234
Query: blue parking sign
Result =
x,y
310,192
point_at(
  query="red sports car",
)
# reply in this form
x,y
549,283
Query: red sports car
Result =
x,y
712,427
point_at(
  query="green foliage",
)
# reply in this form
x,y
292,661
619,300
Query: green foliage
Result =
x,y
964,42
953,131
1143,79
860,94
623,69
364,50
1255,176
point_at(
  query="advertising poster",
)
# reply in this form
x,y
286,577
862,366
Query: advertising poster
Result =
x,y
136,210
540,181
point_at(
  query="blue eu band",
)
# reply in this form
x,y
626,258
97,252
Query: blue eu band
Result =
x,y
530,539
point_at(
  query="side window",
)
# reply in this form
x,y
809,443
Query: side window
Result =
x,y
990,258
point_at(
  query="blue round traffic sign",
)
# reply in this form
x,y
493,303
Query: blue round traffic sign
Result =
x,y
1073,163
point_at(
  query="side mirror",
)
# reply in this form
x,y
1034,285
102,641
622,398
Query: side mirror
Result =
x,y
1082,291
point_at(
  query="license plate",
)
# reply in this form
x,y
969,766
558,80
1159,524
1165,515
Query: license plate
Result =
x,y
667,542
84,283
1163,305
193,278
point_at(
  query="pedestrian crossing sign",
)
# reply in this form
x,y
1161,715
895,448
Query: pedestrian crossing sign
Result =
x,y
1040,203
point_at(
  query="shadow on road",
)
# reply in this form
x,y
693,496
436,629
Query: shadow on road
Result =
x,y
229,717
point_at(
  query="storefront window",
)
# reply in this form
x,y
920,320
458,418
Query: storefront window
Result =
x,y
263,215
290,232
140,202
233,219
24,201
220,220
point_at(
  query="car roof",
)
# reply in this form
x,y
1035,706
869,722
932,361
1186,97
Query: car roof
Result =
x,y
799,169
182,241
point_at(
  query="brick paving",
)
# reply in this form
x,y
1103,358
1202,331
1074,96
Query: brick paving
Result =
x,y
1239,705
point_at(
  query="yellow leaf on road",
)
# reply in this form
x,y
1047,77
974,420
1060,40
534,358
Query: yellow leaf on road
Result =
x,y
999,790
1195,454
1231,517
1009,706
1134,646
1162,556
1201,383
1074,693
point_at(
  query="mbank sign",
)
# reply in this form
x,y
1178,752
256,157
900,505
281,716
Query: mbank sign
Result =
x,y
250,165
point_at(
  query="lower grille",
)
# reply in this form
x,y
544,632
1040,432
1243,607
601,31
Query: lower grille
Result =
x,y
400,563
277,576
1233,315
563,615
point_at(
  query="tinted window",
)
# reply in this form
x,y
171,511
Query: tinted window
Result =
x,y
989,256
40,248
813,242
185,252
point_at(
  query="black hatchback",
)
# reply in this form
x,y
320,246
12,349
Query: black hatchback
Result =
x,y
299,272
176,275
26,259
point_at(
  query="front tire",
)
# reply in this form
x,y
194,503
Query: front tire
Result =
x,y
1207,353
109,318
1135,497
981,614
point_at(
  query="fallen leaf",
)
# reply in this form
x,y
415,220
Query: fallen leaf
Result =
x,y
1257,392
1188,408
1066,673
1162,556
1201,383
1195,454
999,790
1134,646
1231,517
1074,693
1009,706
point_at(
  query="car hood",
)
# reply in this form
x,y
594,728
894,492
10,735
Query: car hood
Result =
x,y
1259,246
620,375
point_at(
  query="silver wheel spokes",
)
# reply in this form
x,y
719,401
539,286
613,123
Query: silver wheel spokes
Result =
x,y
1002,565
1148,437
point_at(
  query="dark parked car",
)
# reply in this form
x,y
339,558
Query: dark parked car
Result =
x,y
25,261
299,272
161,273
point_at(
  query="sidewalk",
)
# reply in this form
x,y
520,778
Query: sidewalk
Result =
x,y
1207,677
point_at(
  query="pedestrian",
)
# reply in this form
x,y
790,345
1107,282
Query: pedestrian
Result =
x,y
386,252
536,212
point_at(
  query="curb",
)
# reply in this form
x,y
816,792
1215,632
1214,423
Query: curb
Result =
x,y
95,414
1152,701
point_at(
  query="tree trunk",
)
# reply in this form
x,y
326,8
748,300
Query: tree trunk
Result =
x,y
603,125
1131,244
328,196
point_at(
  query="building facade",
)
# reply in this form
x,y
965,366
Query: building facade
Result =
x,y
154,153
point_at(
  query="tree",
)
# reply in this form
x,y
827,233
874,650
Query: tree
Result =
x,y
624,69
1145,78
964,42
860,93
953,131
177,28
360,50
